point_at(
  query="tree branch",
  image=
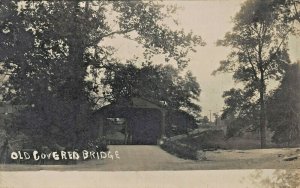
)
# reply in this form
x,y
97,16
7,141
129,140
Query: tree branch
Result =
x,y
272,56
252,65
118,32
296,10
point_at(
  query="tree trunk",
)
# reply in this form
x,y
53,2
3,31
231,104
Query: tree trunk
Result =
x,y
262,119
77,74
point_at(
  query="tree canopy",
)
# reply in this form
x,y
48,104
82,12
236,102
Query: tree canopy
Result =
x,y
158,83
259,54
50,49
284,108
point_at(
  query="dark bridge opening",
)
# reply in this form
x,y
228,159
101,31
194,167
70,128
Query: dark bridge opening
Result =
x,y
139,122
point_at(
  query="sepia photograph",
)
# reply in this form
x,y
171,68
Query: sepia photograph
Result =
x,y
150,93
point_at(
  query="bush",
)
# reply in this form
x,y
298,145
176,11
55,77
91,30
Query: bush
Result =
x,y
207,140
180,150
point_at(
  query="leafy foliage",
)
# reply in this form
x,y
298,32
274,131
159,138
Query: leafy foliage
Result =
x,y
240,112
50,49
289,9
158,83
259,54
284,108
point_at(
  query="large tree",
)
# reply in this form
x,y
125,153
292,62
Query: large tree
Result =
x,y
50,49
284,108
259,51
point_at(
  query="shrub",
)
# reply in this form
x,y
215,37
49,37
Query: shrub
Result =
x,y
207,140
180,150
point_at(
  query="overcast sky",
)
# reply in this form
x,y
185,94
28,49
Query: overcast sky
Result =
x,y
211,20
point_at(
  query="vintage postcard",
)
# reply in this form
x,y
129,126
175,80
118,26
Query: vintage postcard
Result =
x,y
150,93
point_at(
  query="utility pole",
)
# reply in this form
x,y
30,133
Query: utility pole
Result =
x,y
210,115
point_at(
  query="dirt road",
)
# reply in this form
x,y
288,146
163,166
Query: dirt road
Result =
x,y
145,158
